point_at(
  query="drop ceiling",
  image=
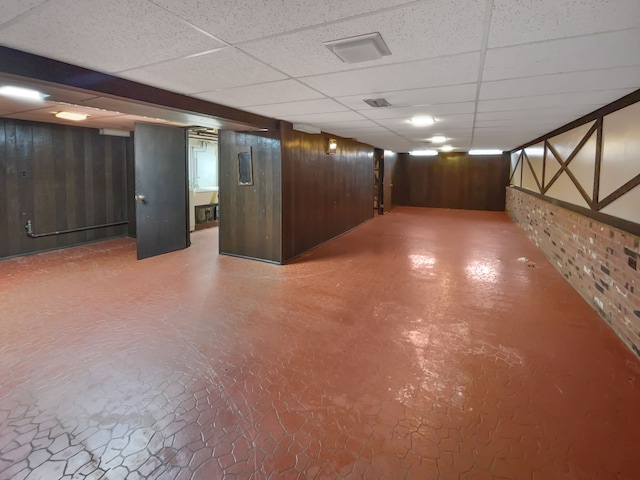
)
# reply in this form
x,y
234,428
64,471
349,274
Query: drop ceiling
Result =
x,y
493,73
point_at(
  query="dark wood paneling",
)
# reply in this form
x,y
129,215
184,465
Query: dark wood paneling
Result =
x,y
453,180
250,215
59,177
322,195
161,183
390,161
129,206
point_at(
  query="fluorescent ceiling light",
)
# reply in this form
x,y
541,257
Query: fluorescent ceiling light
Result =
x,y
423,121
19,92
362,48
76,117
446,148
479,151
438,139
423,153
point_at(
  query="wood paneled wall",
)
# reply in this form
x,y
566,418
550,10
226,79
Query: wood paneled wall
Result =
x,y
59,177
452,180
250,215
322,195
390,166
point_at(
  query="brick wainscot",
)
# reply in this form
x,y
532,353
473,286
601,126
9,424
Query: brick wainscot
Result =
x,y
598,260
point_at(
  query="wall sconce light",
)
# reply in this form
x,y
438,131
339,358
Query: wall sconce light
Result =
x,y
332,146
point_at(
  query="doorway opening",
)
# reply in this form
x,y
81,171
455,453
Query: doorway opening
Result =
x,y
203,178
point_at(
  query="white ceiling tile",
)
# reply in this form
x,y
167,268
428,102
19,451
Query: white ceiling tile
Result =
x,y
443,71
507,123
442,126
13,8
47,116
315,118
220,69
519,115
606,50
502,143
247,19
356,133
280,110
14,105
604,79
92,112
389,141
416,31
261,94
408,112
528,88
419,96
459,143
561,100
523,21
105,35
353,125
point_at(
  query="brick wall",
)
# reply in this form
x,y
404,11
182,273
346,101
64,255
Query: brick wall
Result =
x,y
600,261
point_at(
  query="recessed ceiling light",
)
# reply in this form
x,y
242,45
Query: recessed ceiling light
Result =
x,y
423,153
479,151
19,92
76,117
362,48
423,121
446,148
438,139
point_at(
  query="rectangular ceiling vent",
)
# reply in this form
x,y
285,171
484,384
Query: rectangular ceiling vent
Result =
x,y
377,102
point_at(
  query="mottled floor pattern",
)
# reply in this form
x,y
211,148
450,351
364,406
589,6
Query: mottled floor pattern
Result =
x,y
416,346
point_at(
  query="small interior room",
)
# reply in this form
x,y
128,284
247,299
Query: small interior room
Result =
x,y
203,178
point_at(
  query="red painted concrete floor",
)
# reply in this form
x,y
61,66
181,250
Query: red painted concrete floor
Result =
x,y
415,347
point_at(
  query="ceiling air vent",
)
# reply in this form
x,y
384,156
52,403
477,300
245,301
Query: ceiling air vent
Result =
x,y
377,102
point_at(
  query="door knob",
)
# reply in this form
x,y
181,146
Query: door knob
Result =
x,y
142,198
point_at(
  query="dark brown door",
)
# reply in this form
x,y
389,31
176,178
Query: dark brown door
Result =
x,y
161,189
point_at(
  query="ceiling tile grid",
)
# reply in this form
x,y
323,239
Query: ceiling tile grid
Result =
x,y
244,20
14,8
515,22
224,68
105,35
493,73
268,93
417,31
